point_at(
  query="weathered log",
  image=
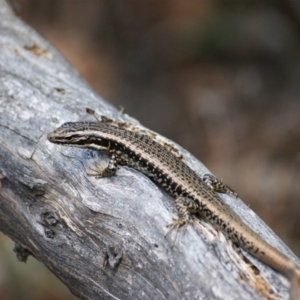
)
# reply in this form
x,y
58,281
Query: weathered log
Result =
x,y
103,238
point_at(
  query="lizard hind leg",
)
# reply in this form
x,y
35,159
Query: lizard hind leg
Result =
x,y
217,185
185,207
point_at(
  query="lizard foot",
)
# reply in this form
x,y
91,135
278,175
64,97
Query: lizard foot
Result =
x,y
176,224
218,186
185,206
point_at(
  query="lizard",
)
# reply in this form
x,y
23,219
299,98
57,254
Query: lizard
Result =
x,y
193,194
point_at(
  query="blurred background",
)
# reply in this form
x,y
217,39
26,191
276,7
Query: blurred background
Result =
x,y
220,78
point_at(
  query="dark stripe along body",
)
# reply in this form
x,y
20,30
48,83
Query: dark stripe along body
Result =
x,y
172,174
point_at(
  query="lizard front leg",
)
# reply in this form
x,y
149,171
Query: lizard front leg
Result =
x,y
99,171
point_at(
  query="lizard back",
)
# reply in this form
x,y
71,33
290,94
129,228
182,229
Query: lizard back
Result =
x,y
144,154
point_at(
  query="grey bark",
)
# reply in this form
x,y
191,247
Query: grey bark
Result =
x,y
103,238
